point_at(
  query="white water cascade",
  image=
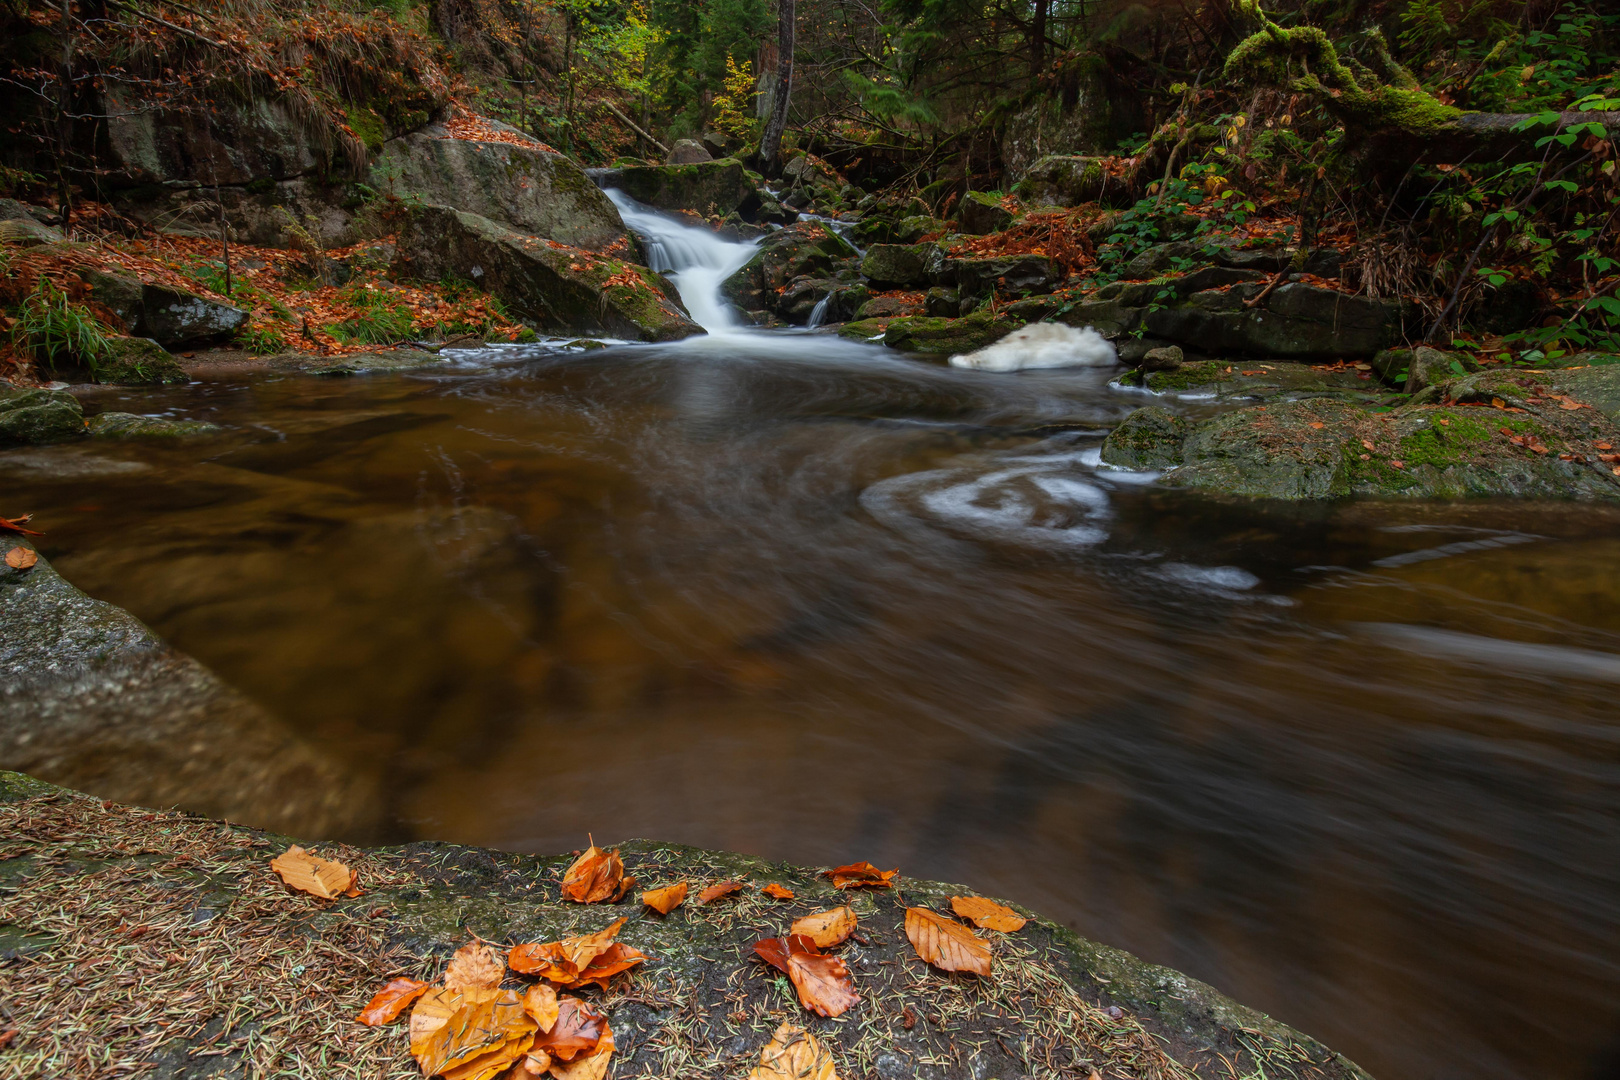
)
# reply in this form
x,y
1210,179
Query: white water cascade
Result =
x,y
696,260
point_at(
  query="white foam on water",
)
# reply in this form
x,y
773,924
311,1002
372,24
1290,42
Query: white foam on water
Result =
x,y
696,260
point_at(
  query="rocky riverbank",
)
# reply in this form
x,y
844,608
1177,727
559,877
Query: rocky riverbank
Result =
x,y
154,938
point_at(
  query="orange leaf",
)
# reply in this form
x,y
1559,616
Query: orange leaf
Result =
x,y
390,1001
540,1002
946,944
823,983
616,958
777,892
563,961
987,914
775,950
857,875
665,900
474,967
16,525
20,558
595,876
313,874
532,1066
827,928
578,1030
717,890
794,1054
590,1065
483,1024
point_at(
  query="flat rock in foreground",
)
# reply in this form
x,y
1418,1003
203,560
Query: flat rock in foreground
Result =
x,y
136,937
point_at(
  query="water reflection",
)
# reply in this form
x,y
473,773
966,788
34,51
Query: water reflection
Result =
x,y
1354,764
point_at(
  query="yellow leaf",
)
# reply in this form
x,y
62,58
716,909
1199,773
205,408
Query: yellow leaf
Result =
x,y
987,914
826,928
474,966
794,1054
314,875
945,944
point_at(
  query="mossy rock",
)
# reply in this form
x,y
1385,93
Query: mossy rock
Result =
x,y
122,425
1065,180
981,213
1149,438
707,187
898,265
138,361
948,337
33,416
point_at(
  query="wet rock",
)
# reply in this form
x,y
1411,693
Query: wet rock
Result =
x,y
1113,319
688,152
25,232
558,288
362,363
138,361
1597,383
1149,438
889,307
845,301
948,336
800,298
522,187
33,417
122,425
1417,369
892,266
942,303
1229,381
706,187
1296,321
911,230
1014,276
982,213
808,249
171,317
1064,180
1164,358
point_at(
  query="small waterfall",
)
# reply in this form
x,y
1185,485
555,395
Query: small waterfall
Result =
x,y
818,314
696,260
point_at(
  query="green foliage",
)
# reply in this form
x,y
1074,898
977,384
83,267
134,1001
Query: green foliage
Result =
x,y
381,321
262,339
1550,68
54,330
695,40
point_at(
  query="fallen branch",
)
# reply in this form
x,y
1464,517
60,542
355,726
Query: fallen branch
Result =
x,y
614,109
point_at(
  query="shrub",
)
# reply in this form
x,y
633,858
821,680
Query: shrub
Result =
x,y
54,330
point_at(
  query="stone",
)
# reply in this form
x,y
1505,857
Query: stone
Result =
x,y
138,361
361,363
709,188
1093,112
1297,321
845,301
981,212
1596,382
888,307
807,249
942,303
559,288
718,145
1149,438
688,152
1164,358
526,188
897,265
947,336
122,425
169,316
1161,259
800,298
26,232
911,230
1065,180
1012,276
1113,319
33,417
12,210
1413,370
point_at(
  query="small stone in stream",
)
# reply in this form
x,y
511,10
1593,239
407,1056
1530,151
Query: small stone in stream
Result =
x,y
1165,358
122,425
1149,438
34,416
137,361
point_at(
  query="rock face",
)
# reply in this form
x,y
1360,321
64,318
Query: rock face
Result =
x,y
169,316
26,232
1296,321
1064,180
138,361
90,697
1086,118
706,187
524,188
31,417
558,287
1011,276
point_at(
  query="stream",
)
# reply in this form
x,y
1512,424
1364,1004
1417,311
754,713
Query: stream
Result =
x,y
1355,764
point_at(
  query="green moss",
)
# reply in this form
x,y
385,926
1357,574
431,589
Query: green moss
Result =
x,y
1186,376
368,126
1447,444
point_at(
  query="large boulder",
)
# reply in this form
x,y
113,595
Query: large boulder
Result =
x,y
688,152
899,265
137,361
981,212
1007,276
558,287
33,416
171,317
1149,438
1297,321
527,188
948,337
1064,180
808,249
303,212
705,187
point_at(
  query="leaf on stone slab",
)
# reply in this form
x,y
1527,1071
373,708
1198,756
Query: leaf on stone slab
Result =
x,y
594,877
21,558
317,876
578,1030
827,928
667,899
563,961
540,1002
587,1066
532,1065
860,875
608,963
390,1001
794,1054
823,983
945,944
474,966
484,1023
987,914
16,525
777,892
775,950
717,890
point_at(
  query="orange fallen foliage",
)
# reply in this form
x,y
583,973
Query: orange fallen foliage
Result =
x,y
470,127
577,961
859,875
717,890
826,928
777,892
596,876
667,899
21,558
317,876
16,525
947,945
793,1054
823,982
474,967
987,914
1059,235
390,1001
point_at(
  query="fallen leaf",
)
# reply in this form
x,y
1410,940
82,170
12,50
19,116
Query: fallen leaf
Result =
x,y
578,1029
823,982
6,1036
1603,446
540,1002
591,1065
777,892
1318,425
1368,444
861,874
794,1054
390,1001
485,1032
717,890
665,900
987,914
608,963
434,1008
774,950
474,966
16,525
532,1065
945,944
1498,403
1570,405
594,877
312,874
563,961
826,928
21,558
1397,464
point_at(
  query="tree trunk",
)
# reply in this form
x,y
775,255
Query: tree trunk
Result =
x,y
770,146
1037,39
64,117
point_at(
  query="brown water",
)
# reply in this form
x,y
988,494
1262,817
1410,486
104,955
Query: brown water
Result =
x,y
1357,765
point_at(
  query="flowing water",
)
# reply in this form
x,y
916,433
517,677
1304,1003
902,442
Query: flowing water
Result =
x,y
1356,764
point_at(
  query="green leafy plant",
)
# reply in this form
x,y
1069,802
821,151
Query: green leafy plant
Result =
x,y
54,330
262,339
380,321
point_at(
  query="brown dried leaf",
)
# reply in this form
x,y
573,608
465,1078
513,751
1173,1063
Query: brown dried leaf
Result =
x,y
777,892
608,963
487,1065
774,950
313,874
827,928
594,877
823,982
717,890
667,899
587,1066
390,1001
485,1025
859,875
21,558
945,944
794,1054
987,914
434,1009
475,966
563,961
532,1066
578,1030
16,525
540,1002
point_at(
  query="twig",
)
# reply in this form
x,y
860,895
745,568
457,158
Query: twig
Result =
x,y
139,14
